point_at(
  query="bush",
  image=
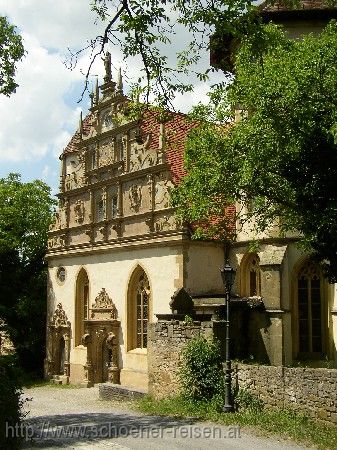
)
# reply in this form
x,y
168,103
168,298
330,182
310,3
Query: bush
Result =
x,y
245,400
201,374
10,403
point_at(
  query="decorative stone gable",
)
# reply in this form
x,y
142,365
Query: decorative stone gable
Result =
x,y
117,174
59,318
103,307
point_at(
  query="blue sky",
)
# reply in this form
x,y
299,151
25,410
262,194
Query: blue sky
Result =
x,y
39,119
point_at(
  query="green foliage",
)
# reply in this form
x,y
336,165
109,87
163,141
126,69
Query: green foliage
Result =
x,y
188,320
280,160
25,215
10,402
280,422
201,373
246,401
150,28
11,51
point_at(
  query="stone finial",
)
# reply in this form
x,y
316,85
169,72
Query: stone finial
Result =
x,y
96,92
92,96
161,143
182,302
107,66
80,125
119,82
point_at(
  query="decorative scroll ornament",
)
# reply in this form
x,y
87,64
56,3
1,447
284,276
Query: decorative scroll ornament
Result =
x,y
79,211
135,197
60,318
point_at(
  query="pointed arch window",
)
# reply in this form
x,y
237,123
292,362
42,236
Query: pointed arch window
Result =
x,y
81,304
311,321
251,276
138,310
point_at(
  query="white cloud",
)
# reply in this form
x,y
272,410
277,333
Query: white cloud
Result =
x,y
34,119
38,121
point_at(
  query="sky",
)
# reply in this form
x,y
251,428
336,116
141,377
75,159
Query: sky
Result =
x,y
40,118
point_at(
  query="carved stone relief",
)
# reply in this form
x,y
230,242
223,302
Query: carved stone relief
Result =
x,y
58,347
79,211
104,302
166,223
163,190
135,197
141,156
101,340
75,173
57,241
106,152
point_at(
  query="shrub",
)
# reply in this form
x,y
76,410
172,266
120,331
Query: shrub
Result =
x,y
245,400
201,374
10,403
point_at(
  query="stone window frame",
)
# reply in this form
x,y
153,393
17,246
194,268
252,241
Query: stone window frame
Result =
x,y
303,268
250,272
137,327
82,296
57,275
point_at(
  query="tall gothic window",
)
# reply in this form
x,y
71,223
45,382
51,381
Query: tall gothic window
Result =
x,y
138,310
251,276
310,311
81,305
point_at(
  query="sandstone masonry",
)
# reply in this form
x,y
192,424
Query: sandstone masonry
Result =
x,y
308,390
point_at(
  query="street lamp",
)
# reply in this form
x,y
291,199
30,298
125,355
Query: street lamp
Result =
x,y
228,276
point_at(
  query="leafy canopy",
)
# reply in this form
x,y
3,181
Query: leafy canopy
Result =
x,y
169,38
25,215
11,51
280,160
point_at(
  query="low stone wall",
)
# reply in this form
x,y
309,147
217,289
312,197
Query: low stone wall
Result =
x,y
312,391
108,391
166,342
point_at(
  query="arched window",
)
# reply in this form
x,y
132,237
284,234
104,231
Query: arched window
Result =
x,y
311,321
81,304
251,276
138,309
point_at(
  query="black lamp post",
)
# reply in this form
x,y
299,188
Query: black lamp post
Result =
x,y
228,276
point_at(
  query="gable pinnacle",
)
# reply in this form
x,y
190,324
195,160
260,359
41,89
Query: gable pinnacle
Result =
x,y
107,65
119,82
96,92
80,125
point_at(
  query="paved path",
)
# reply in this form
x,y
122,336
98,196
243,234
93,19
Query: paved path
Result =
x,y
77,419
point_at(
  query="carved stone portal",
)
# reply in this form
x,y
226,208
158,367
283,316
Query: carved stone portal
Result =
x,y
58,347
101,338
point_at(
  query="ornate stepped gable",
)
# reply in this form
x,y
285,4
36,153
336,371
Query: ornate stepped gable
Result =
x,y
115,168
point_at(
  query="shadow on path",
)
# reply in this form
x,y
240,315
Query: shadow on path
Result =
x,y
68,429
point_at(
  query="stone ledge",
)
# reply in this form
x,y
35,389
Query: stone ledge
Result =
x,y
109,391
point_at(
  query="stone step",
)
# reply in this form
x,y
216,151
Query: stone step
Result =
x,y
110,391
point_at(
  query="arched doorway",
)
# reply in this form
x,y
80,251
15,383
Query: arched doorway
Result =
x,y
81,304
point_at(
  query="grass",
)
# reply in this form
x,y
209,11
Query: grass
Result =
x,y
283,423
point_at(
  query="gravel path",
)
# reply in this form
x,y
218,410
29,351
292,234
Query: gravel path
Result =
x,y
76,419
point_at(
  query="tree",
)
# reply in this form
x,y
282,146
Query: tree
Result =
x,y
11,52
147,29
271,160
25,215
280,160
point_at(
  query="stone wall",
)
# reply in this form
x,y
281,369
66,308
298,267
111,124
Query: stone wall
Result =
x,y
166,342
312,391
